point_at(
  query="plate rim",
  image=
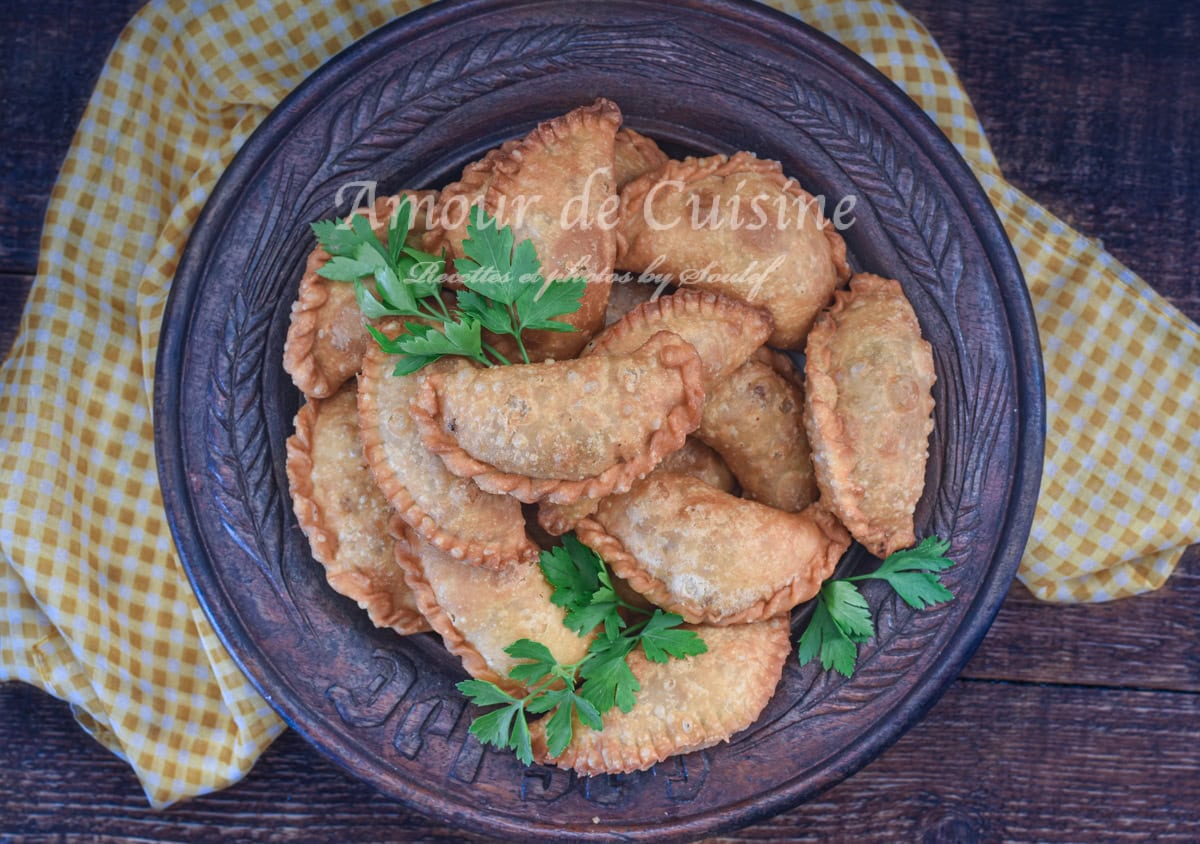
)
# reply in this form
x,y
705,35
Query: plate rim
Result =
x,y
1029,434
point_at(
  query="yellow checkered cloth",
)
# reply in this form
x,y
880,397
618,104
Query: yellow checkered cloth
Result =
x,y
94,606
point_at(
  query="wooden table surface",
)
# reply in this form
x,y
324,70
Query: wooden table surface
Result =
x,y
1070,723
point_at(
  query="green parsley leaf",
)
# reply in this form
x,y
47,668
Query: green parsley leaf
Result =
x,y
371,307
483,693
541,661
560,725
537,306
478,306
608,680
367,238
346,268
399,225
336,237
841,619
573,571
660,640
912,573
455,339
602,680
822,637
848,609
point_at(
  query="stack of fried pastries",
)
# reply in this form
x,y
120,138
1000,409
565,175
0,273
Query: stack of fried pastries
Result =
x,y
668,429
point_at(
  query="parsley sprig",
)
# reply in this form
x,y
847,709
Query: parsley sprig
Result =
x,y
505,290
841,619
593,685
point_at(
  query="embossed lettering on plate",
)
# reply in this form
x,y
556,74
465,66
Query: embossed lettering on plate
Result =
x,y
375,700
430,717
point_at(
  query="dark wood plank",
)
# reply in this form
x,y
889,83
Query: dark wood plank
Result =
x,y
53,53
1091,107
1145,642
1119,764
14,289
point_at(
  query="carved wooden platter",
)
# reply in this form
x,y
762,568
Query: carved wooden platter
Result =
x,y
408,107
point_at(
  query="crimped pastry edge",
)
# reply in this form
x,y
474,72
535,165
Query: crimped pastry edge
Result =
x,y
802,587
298,347
680,421
691,169
684,303
487,554
646,149
649,749
455,642
827,434
380,607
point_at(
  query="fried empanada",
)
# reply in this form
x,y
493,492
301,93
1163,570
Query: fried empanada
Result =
x,y
869,411
755,420
565,429
739,227
635,155
723,331
479,612
695,459
710,556
344,515
683,705
554,188
448,511
327,335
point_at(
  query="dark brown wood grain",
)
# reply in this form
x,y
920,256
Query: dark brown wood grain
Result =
x,y
1103,754
1079,723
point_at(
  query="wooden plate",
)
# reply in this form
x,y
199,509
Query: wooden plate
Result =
x,y
408,107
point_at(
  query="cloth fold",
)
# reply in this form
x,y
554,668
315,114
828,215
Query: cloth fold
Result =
x,y
95,608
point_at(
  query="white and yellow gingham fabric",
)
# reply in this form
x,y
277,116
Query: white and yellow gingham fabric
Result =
x,y
94,607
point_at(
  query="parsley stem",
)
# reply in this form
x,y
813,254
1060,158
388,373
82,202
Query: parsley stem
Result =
x,y
521,347
424,310
494,352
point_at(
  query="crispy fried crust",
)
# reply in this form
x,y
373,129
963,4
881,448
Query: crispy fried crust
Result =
x,y
710,556
695,459
634,156
683,705
563,430
480,612
723,331
794,290
454,205
343,513
869,411
560,162
755,421
447,511
327,335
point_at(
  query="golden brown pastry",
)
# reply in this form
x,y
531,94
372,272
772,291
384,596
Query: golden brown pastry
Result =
x,y
635,155
869,411
327,335
763,241
723,331
343,513
450,512
683,704
480,612
563,430
710,556
755,420
694,459
552,187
